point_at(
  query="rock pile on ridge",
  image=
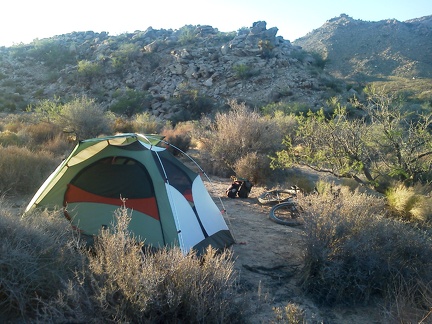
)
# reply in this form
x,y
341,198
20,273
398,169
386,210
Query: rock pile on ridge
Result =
x,y
253,65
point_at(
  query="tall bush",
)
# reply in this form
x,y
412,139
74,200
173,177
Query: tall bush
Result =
x,y
237,133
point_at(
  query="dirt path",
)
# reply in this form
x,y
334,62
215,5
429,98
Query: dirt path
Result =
x,y
267,255
268,259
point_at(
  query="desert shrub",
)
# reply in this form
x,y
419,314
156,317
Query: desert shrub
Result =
x,y
411,203
179,136
124,283
52,52
319,60
88,69
8,138
81,117
291,314
187,34
84,118
306,181
47,276
146,123
287,108
193,104
253,166
60,145
131,102
124,54
244,71
23,170
41,133
354,255
234,134
143,123
266,47
37,258
123,125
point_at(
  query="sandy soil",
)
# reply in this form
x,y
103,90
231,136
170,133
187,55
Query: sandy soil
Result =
x,y
268,259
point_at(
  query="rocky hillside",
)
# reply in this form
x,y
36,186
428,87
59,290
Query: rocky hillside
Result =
x,y
173,74
359,49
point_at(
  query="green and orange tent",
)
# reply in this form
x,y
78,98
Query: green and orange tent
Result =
x,y
169,203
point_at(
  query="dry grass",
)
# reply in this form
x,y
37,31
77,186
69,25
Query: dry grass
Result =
x,y
411,203
291,314
164,286
23,170
47,276
37,257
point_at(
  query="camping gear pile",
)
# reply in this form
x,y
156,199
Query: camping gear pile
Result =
x,y
239,187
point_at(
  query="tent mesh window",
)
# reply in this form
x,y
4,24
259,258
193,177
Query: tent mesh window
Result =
x,y
115,177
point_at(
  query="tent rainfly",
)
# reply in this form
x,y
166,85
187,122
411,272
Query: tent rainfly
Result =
x,y
169,203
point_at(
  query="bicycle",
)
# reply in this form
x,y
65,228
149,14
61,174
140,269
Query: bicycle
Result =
x,y
285,210
286,213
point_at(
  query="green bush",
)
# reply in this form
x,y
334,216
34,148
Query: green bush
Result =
x,y
131,102
244,71
124,54
52,52
187,34
194,105
88,69
355,255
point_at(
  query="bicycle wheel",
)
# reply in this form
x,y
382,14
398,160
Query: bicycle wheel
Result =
x,y
286,213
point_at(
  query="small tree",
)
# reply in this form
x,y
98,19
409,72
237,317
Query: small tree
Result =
x,y
382,145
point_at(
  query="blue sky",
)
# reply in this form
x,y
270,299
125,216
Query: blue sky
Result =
x,y
26,20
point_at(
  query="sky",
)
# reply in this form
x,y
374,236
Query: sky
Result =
x,y
22,21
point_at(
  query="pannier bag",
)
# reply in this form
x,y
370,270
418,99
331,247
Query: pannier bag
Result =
x,y
239,188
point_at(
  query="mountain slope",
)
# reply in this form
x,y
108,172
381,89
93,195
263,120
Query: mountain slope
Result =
x,y
362,49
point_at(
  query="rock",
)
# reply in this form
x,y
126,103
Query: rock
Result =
x,y
176,69
258,27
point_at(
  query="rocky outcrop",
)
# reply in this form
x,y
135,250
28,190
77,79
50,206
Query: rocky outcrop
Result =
x,y
253,65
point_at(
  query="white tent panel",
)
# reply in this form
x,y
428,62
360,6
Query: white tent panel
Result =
x,y
209,213
189,230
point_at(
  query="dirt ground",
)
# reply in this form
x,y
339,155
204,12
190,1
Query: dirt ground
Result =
x,y
268,260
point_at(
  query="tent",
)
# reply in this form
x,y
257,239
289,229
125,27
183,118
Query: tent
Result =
x,y
169,203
